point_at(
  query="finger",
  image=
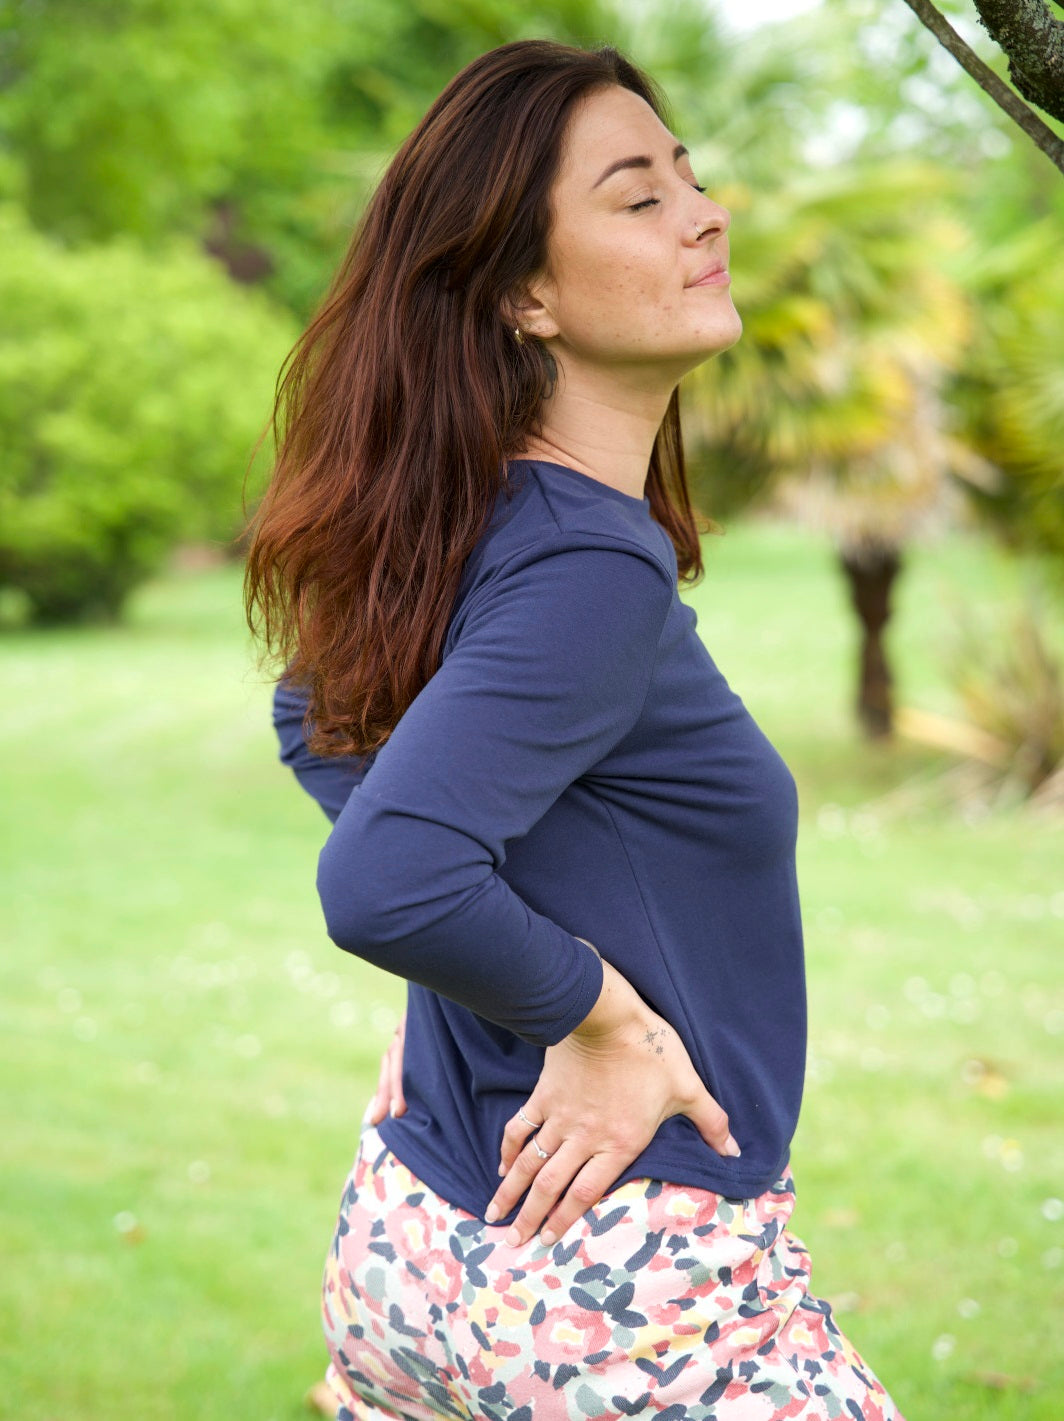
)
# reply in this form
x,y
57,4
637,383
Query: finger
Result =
x,y
550,1178
586,1190
526,1171
397,1101
711,1123
381,1096
515,1135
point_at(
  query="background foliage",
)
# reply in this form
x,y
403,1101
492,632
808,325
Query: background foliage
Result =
x,y
132,386
249,135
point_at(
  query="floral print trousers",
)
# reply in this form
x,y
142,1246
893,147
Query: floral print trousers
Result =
x,y
662,1301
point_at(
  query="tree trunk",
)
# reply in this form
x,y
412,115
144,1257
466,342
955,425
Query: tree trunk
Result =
x,y
245,262
1052,60
1034,43
870,577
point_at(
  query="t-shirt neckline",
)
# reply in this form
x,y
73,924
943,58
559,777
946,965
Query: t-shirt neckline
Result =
x,y
604,488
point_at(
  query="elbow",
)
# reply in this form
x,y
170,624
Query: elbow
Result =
x,y
353,880
370,909
343,926
353,918
392,886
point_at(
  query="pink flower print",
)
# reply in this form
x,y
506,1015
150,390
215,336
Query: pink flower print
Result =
x,y
570,1334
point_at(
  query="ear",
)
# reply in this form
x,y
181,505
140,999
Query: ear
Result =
x,y
530,308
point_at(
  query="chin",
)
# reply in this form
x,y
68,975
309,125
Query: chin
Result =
x,y
715,342
725,336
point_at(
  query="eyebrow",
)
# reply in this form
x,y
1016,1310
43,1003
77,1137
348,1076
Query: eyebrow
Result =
x,y
641,160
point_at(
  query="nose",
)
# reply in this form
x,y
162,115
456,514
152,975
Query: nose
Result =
x,y
710,220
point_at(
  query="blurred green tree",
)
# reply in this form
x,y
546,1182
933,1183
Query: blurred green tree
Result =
x,y
257,128
132,388
256,132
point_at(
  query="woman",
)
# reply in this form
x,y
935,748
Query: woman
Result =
x,y
552,815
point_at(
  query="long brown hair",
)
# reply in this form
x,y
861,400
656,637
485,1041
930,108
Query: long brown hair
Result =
x,y
407,392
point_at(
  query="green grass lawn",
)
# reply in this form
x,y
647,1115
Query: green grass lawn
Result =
x,y
185,1057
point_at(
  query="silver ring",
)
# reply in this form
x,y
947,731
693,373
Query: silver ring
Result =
x,y
531,1124
543,1154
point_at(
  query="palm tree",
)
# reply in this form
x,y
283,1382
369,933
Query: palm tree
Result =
x,y
834,396
1011,391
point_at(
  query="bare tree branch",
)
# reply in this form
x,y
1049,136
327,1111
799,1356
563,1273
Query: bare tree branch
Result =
x,y
984,76
1034,43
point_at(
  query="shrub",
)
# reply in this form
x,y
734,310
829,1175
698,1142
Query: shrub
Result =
x,y
1010,680
133,386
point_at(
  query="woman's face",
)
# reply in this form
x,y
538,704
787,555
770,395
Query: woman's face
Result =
x,y
630,252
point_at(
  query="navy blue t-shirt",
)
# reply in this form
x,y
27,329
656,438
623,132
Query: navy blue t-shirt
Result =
x,y
577,767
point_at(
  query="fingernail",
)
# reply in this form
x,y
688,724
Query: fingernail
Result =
x,y
547,1237
513,1238
731,1148
491,1213
391,1106
502,1169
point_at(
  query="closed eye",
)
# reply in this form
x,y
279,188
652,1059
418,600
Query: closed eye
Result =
x,y
653,201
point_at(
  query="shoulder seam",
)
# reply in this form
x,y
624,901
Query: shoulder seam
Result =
x,y
566,529
603,541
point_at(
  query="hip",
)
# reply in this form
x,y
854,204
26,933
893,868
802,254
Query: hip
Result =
x,y
659,1295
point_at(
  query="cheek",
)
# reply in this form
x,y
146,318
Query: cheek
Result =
x,y
618,285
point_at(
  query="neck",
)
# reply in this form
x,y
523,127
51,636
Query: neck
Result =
x,y
601,426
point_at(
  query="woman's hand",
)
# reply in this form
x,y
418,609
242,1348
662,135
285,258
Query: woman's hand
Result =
x,y
602,1094
388,1097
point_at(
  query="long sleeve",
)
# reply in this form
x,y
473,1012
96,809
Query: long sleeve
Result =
x,y
328,779
550,665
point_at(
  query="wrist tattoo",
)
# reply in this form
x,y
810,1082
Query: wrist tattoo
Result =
x,y
655,1040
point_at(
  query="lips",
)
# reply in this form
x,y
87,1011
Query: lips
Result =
x,y
715,275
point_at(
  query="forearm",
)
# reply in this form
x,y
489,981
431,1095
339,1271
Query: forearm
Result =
x,y
426,903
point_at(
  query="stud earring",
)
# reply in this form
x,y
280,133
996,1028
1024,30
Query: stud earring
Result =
x,y
519,336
